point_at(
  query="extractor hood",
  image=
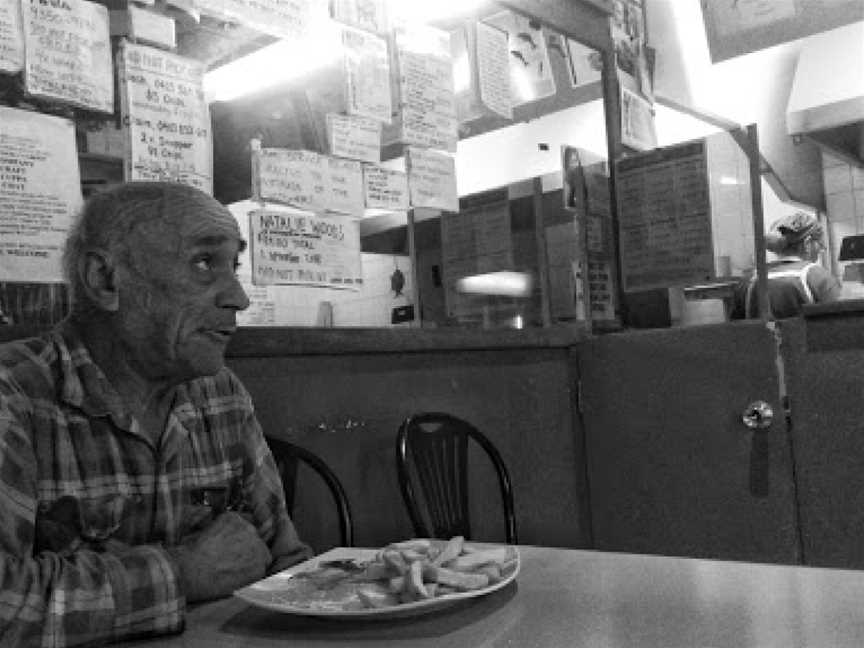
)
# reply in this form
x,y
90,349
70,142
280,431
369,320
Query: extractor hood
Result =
x,y
827,98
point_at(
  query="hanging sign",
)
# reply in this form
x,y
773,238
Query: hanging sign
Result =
x,y
281,18
432,179
344,182
367,72
40,191
493,69
385,188
358,138
304,249
166,117
369,15
11,38
68,53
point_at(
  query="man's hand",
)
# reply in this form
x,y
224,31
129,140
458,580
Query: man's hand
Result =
x,y
224,556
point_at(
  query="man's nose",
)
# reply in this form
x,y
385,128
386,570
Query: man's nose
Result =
x,y
233,295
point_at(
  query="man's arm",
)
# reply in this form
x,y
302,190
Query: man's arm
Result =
x,y
78,597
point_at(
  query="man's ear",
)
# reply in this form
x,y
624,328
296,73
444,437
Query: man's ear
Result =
x,y
99,280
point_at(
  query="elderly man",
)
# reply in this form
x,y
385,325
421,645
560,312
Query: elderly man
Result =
x,y
134,477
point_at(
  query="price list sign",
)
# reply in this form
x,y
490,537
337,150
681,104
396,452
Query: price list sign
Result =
x,y
385,188
665,218
432,179
304,249
68,52
166,117
11,39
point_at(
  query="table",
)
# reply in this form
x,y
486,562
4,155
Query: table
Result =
x,y
586,599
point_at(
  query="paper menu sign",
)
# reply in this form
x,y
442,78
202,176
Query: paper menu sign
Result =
x,y
385,188
281,18
369,15
637,121
358,138
11,37
304,249
493,69
166,117
367,71
432,179
308,180
427,101
68,53
40,191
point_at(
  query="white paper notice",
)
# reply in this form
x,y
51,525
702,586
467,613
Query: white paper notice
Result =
x,y
305,249
309,181
40,191
68,52
367,68
358,138
493,67
428,101
11,38
167,118
282,18
432,179
385,188
363,14
637,122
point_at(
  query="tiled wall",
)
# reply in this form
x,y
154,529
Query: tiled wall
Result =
x,y
844,197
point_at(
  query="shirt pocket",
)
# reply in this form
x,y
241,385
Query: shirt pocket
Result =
x,y
71,523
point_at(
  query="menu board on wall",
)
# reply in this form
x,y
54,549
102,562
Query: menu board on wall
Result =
x,y
11,38
367,70
304,249
432,179
665,233
493,69
68,53
166,117
427,101
476,240
358,138
40,191
385,188
281,18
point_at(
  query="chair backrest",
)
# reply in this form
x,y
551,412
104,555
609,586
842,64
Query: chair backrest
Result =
x,y
432,454
287,456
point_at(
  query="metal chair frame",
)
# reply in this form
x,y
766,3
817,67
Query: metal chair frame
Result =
x,y
440,460
287,456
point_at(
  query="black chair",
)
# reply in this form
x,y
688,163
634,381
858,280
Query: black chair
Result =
x,y
432,454
287,457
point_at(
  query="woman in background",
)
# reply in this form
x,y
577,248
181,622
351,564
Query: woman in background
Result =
x,y
796,277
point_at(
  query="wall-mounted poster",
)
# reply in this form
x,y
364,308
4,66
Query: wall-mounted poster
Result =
x,y
531,76
432,179
493,69
40,191
637,122
281,18
68,53
357,138
166,117
385,188
367,71
585,63
11,37
304,249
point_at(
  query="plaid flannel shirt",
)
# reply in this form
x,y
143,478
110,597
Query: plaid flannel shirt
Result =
x,y
88,502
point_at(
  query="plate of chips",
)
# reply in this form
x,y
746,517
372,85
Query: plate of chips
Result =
x,y
402,579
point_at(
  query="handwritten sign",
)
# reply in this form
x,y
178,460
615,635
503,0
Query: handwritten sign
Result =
x,y
363,14
40,191
637,121
309,180
385,188
664,218
427,101
432,179
531,76
358,138
367,71
282,18
166,117
68,52
11,38
493,68
305,249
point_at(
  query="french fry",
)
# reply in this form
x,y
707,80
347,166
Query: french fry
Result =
x,y
415,580
421,545
457,579
451,550
471,561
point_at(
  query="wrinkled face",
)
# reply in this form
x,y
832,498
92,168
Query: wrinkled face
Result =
x,y
180,295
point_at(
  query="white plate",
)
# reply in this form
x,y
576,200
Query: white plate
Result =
x,y
269,593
